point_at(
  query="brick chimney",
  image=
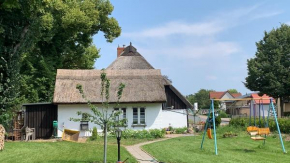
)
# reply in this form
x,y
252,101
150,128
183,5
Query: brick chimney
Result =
x,y
119,51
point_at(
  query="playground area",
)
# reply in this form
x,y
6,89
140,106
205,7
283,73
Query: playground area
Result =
x,y
240,148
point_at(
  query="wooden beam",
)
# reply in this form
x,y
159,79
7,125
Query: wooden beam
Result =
x,y
241,99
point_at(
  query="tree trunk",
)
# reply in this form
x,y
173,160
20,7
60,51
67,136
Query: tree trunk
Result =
x,y
2,137
105,143
282,106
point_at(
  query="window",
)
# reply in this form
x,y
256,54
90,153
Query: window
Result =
x,y
122,115
142,115
139,116
135,115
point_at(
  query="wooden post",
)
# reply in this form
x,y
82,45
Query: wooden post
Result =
x,y
2,137
278,108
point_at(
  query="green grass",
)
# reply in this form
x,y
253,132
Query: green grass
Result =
x,y
124,142
59,152
236,149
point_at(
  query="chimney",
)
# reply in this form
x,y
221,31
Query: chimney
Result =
x,y
120,50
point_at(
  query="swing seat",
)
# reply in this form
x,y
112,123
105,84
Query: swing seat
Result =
x,y
264,131
258,138
253,133
252,129
209,133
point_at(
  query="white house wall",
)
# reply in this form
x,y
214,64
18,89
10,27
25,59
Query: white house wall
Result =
x,y
175,118
155,117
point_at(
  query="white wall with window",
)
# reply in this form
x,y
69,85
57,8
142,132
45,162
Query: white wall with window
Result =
x,y
139,116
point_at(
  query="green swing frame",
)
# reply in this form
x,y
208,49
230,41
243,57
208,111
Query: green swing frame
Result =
x,y
212,112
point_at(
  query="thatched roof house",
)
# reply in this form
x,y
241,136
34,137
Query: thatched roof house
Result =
x,y
144,84
146,103
141,86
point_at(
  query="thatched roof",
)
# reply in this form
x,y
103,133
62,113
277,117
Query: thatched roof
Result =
x,y
141,86
130,59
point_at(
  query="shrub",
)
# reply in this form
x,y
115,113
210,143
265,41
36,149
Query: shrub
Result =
x,y
180,130
156,133
229,134
284,123
142,134
94,134
222,114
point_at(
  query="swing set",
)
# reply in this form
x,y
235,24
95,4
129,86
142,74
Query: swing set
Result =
x,y
256,131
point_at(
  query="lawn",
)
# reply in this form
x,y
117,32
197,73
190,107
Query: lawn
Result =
x,y
64,152
125,142
235,149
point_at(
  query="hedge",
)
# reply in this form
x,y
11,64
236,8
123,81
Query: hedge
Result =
x,y
141,134
284,123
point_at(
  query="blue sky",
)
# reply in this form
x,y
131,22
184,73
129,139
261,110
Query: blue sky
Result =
x,y
198,44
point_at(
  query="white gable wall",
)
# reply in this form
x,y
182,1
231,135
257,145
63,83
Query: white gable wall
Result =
x,y
227,95
155,117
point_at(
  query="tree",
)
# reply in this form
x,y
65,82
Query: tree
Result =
x,y
38,37
191,98
268,71
101,116
201,97
232,91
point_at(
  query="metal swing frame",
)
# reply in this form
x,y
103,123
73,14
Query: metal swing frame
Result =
x,y
211,110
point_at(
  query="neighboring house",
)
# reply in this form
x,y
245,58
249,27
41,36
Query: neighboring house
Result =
x,y
224,95
242,108
149,101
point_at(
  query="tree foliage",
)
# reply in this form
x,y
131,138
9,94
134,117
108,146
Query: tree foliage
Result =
x,y
233,91
38,37
101,116
201,97
268,71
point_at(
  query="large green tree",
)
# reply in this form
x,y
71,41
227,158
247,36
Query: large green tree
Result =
x,y
49,34
269,70
38,37
201,97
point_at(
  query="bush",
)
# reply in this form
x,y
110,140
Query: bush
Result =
x,y
94,134
222,114
284,123
142,134
229,135
180,130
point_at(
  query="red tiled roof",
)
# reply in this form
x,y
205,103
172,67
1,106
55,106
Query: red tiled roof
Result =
x,y
236,94
263,101
216,95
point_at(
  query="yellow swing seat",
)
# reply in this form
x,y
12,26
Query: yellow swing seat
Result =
x,y
261,131
264,131
252,130
258,138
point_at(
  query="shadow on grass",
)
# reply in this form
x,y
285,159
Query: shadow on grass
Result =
x,y
66,161
244,150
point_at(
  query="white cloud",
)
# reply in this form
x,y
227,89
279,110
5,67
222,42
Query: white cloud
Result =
x,y
266,15
212,49
178,27
288,23
209,27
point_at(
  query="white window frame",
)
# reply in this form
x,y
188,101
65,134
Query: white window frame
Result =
x,y
139,115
